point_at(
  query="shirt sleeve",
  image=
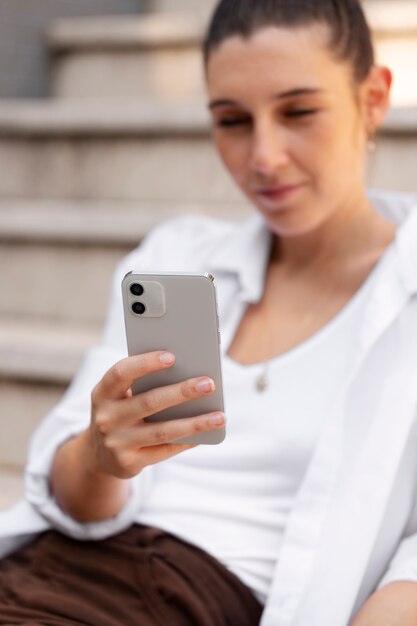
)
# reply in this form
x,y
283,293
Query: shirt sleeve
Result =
x,y
403,566
72,415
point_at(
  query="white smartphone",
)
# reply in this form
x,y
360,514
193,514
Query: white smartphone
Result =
x,y
176,312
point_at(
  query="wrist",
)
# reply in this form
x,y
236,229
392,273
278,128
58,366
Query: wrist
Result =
x,y
87,452
82,488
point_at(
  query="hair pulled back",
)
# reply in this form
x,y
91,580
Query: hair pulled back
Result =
x,y
350,37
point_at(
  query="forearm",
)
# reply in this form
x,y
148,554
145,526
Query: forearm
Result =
x,y
80,489
392,605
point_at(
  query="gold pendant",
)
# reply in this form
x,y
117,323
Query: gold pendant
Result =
x,y
262,383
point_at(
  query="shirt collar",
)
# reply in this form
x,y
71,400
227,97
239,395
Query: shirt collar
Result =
x,y
247,249
246,254
401,209
407,251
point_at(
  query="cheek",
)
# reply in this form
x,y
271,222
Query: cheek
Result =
x,y
334,159
327,149
233,152
343,140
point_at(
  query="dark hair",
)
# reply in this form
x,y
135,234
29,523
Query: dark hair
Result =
x,y
350,37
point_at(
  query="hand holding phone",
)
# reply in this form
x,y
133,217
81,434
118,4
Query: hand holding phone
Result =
x,y
176,312
122,442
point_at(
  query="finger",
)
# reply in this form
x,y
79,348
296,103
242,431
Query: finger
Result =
x,y
145,404
168,431
156,454
118,379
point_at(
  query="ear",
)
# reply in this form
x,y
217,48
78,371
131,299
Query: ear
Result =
x,y
376,97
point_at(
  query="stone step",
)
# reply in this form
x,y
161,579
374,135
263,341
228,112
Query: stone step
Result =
x,y
56,281
96,223
145,152
37,361
158,55
184,6
42,351
387,17
11,486
25,403
394,163
101,151
395,33
72,249
152,56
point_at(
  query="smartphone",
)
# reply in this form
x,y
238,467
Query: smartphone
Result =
x,y
176,312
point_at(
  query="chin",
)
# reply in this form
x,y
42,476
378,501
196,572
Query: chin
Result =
x,y
287,224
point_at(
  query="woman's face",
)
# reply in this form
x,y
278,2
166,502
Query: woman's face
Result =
x,y
287,125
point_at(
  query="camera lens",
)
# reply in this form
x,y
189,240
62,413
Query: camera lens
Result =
x,y
136,289
139,308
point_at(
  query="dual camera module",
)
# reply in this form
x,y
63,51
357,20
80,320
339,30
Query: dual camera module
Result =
x,y
138,308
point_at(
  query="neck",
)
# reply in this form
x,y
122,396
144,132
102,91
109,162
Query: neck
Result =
x,y
352,230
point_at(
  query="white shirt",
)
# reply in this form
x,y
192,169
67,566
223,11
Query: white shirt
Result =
x,y
234,500
353,524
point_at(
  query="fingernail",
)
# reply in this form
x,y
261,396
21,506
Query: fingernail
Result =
x,y
217,419
204,385
167,358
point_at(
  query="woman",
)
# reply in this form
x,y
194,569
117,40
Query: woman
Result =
x,y
295,517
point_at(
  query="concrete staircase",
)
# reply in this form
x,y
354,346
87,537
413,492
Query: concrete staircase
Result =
x,y
128,58
87,173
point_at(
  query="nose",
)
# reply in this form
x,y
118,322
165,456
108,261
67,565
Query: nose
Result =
x,y
269,152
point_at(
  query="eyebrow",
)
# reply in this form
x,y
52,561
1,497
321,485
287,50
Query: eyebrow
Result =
x,y
280,96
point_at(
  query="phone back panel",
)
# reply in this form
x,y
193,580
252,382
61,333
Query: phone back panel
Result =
x,y
183,320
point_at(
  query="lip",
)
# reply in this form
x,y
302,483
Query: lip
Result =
x,y
279,191
273,197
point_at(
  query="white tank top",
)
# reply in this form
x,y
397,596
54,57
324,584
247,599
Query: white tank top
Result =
x,y
234,499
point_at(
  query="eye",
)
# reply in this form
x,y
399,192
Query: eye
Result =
x,y
232,122
300,112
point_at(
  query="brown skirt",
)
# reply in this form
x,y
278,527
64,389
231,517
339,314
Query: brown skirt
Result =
x,y
142,577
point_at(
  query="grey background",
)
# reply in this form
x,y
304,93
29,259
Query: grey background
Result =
x,y
23,57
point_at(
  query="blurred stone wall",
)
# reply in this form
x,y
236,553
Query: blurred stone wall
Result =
x,y
202,7
23,59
